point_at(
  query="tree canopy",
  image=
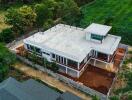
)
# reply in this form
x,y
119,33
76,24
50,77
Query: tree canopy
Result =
x,y
6,60
21,19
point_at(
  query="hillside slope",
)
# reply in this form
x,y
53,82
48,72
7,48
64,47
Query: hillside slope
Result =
x,y
110,12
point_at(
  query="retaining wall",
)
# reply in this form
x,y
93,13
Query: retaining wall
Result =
x,y
66,80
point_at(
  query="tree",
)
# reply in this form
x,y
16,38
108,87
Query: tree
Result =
x,y
43,14
28,16
21,19
68,10
48,24
71,11
114,98
6,35
6,60
13,18
95,98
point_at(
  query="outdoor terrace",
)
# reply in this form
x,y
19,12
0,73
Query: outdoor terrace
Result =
x,y
100,78
95,78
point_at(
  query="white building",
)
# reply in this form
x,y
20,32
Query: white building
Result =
x,y
72,48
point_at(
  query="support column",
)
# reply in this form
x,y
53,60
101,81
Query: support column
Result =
x,y
66,61
78,65
66,70
108,58
78,74
94,62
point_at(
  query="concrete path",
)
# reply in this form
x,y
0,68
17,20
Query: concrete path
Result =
x,y
50,80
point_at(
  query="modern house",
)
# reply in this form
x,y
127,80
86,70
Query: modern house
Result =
x,y
72,48
12,89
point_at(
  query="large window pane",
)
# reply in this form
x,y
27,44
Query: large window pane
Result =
x,y
37,50
96,37
72,63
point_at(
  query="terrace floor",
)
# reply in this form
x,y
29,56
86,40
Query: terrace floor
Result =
x,y
95,78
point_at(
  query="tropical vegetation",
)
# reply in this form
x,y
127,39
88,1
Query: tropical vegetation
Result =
x,y
6,60
110,12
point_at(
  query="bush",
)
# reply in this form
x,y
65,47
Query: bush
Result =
x,y
114,98
6,60
3,71
6,35
54,67
95,98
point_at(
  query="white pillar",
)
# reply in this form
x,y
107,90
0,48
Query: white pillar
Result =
x,y
108,57
78,65
94,62
78,74
66,61
96,54
66,70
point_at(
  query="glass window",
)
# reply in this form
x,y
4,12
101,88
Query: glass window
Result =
x,y
96,37
65,61
72,63
62,60
37,50
31,48
28,47
46,53
53,55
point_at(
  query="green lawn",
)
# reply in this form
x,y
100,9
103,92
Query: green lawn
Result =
x,y
117,13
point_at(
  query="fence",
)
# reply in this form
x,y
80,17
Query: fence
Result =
x,y
73,83
66,80
115,78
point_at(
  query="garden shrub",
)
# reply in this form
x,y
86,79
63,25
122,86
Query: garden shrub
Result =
x,y
6,35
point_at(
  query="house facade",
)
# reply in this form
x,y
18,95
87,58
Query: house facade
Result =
x,y
73,48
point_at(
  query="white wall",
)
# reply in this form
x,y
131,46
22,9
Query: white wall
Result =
x,y
88,36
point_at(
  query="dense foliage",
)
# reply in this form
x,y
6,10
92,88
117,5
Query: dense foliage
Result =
x,y
83,2
124,76
6,60
43,62
44,14
21,19
6,35
111,12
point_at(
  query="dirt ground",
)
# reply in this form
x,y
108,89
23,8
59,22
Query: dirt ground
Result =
x,y
97,79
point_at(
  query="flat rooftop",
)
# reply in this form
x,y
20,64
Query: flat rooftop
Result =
x,y
70,42
98,29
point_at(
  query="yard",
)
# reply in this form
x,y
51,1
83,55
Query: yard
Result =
x,y
111,12
123,86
